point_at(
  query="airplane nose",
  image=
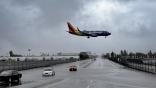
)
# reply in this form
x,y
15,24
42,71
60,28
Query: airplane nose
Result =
x,y
109,33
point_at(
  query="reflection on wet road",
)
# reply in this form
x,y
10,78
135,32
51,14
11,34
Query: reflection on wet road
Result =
x,y
101,73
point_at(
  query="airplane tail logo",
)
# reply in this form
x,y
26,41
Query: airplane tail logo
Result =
x,y
72,29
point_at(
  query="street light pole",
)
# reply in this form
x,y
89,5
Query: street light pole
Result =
x,y
29,52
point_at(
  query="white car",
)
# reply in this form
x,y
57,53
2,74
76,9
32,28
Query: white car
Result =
x,y
48,72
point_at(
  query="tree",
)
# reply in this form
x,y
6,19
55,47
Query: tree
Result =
x,y
83,55
107,55
125,53
112,54
150,53
131,54
51,58
11,53
18,59
122,53
44,59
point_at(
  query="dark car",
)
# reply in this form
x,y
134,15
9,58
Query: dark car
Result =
x,y
10,76
72,68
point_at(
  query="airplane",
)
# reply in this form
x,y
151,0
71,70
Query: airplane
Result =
x,y
75,31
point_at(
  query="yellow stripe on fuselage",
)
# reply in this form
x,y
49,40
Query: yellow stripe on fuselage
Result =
x,y
77,32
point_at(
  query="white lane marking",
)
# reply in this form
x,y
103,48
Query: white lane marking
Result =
x,y
90,84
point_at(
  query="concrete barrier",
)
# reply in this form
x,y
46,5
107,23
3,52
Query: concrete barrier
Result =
x,y
23,65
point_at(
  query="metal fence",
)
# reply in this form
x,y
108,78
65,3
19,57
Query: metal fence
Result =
x,y
146,65
23,65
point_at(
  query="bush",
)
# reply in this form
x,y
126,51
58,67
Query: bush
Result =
x,y
83,55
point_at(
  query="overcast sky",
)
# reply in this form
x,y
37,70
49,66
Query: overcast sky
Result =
x,y
41,25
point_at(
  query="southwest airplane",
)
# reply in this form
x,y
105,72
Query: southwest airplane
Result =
x,y
76,31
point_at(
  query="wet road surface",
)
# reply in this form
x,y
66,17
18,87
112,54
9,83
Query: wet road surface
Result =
x,y
101,73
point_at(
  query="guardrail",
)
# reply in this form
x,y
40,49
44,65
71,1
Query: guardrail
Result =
x,y
23,65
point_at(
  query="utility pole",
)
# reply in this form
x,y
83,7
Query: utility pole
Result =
x,y
29,51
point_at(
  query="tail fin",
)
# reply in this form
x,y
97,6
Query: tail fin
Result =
x,y
71,27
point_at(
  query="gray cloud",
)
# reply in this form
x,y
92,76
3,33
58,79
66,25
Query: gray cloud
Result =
x,y
41,25
131,22
135,16
26,23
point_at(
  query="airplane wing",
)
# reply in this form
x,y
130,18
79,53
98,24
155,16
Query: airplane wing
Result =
x,y
94,35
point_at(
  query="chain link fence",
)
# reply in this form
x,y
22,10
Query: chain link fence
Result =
x,y
146,65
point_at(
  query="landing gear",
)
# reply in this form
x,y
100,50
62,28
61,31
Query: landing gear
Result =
x,y
88,37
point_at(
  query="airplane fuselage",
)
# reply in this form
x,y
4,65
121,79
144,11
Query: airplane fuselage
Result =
x,y
96,33
76,31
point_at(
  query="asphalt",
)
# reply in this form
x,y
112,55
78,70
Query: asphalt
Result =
x,y
101,73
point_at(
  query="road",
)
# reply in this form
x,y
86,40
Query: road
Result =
x,y
101,73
